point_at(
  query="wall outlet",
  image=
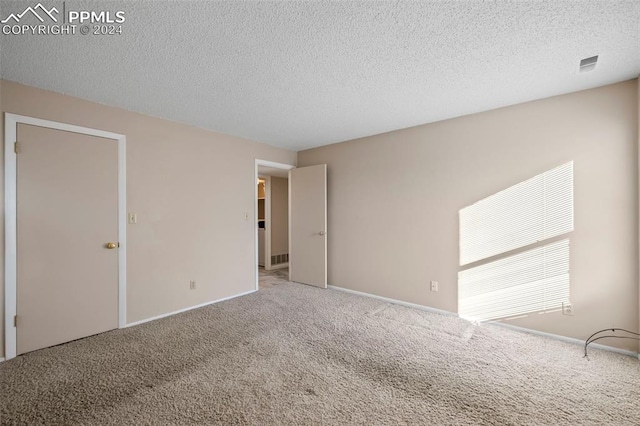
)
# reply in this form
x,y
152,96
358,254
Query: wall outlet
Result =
x,y
567,309
192,285
434,285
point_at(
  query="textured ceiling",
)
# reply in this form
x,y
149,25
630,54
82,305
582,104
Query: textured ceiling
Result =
x,y
304,74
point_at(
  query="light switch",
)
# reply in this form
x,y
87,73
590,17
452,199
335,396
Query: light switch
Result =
x,y
133,218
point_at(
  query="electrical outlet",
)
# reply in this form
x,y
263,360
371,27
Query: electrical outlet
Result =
x,y
567,309
434,285
192,285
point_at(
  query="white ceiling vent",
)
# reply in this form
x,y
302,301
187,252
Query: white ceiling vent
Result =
x,y
588,64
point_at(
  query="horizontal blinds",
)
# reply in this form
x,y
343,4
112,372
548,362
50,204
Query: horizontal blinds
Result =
x,y
531,211
531,281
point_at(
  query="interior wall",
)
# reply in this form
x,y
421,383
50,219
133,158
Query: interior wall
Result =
x,y
393,202
2,345
279,215
191,189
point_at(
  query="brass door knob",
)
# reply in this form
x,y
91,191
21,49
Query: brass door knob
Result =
x,y
111,245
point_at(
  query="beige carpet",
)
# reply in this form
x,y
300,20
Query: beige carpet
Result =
x,y
268,279
292,354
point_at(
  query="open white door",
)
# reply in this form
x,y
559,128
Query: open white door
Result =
x,y
308,225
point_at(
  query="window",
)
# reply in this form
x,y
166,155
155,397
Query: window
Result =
x,y
531,211
523,215
531,281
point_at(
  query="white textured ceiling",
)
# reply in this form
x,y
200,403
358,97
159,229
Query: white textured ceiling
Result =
x,y
304,74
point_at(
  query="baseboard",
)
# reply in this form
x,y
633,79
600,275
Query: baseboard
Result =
x,y
131,324
565,339
395,301
279,266
1,359
498,324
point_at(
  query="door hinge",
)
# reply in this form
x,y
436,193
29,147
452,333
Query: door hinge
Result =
x,y
15,320
15,147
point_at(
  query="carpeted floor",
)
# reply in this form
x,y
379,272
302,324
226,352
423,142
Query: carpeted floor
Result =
x,y
268,279
293,354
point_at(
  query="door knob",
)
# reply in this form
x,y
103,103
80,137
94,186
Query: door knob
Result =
x,y
322,233
111,245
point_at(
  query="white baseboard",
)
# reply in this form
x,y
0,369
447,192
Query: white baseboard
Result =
x,y
1,359
565,339
499,324
131,324
395,301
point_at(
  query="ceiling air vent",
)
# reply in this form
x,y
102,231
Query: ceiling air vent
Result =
x,y
588,64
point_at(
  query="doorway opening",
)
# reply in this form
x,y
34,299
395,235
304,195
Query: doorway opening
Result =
x,y
307,222
272,222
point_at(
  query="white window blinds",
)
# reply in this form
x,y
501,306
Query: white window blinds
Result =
x,y
531,281
531,211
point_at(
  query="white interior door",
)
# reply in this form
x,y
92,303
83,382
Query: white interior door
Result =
x,y
67,212
308,225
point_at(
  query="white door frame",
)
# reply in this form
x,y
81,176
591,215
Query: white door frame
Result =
x,y
11,122
267,214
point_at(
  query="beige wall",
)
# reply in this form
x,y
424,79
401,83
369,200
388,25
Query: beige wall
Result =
x,y
190,188
394,200
2,345
279,215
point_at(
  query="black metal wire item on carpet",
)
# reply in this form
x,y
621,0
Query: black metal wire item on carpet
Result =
x,y
593,337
